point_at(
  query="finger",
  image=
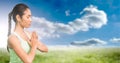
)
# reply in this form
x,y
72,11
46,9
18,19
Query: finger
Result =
x,y
35,35
32,36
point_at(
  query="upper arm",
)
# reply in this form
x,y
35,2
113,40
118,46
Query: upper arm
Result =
x,y
15,45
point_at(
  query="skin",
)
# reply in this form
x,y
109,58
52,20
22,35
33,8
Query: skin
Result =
x,y
14,43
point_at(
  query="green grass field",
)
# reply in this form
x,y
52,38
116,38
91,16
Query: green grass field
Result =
x,y
4,56
74,55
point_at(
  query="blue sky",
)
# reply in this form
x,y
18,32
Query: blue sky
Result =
x,y
64,22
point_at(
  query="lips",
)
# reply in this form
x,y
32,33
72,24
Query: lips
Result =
x,y
29,24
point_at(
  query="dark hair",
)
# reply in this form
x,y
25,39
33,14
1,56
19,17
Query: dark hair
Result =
x,y
17,10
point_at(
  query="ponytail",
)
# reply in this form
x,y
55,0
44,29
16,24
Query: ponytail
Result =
x,y
9,23
9,27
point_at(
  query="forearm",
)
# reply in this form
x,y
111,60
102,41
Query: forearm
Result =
x,y
41,47
31,54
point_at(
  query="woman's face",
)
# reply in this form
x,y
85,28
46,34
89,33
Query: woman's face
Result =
x,y
26,19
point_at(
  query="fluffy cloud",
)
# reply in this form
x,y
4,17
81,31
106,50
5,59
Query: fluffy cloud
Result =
x,y
92,18
67,12
44,27
89,42
117,40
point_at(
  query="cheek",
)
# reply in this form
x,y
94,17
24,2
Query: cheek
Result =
x,y
25,20
26,23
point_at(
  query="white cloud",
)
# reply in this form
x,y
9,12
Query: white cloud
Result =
x,y
92,18
89,42
43,27
67,12
116,40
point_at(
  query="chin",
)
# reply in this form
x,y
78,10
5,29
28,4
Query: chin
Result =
x,y
27,27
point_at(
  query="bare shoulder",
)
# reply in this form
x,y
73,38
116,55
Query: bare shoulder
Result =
x,y
13,40
12,37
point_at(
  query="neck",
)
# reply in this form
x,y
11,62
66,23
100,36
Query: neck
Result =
x,y
19,29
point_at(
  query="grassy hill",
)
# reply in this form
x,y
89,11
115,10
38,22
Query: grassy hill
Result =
x,y
73,55
4,56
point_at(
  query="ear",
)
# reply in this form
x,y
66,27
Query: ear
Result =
x,y
18,18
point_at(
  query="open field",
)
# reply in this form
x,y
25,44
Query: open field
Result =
x,y
4,56
73,55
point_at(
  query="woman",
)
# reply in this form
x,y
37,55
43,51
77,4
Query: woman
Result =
x,y
21,43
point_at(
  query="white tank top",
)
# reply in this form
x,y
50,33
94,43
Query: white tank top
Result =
x,y
24,44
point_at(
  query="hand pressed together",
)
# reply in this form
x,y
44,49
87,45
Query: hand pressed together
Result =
x,y
34,39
